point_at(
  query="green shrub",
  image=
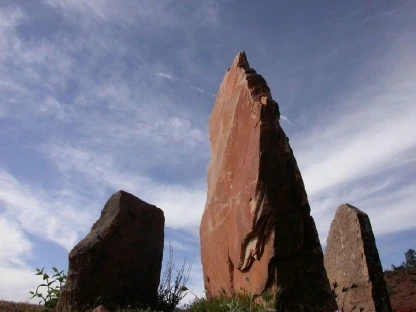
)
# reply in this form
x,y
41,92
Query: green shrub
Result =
x,y
53,286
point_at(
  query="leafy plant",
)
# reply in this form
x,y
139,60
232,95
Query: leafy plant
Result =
x,y
234,306
53,286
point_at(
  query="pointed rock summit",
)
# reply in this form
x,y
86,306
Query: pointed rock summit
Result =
x,y
257,234
241,60
353,264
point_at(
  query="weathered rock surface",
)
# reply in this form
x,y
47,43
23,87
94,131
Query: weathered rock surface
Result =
x,y
120,259
256,232
353,264
101,308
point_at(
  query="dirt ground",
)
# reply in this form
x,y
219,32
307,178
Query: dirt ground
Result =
x,y
402,289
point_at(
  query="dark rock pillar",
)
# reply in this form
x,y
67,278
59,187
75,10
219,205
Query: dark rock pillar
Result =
x,y
120,259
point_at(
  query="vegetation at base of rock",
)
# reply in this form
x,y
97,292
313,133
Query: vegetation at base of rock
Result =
x,y
401,283
240,303
8,306
171,291
172,287
409,263
53,285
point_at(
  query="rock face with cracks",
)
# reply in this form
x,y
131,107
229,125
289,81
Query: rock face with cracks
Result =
x,y
353,264
120,259
257,234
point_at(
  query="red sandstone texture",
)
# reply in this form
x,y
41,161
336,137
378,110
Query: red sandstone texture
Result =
x,y
256,232
353,264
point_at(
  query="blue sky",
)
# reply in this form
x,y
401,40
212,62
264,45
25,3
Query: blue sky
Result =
x,y
97,96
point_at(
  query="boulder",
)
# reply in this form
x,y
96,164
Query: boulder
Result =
x,y
257,234
119,261
353,264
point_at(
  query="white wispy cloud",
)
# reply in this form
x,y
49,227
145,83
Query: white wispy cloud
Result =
x,y
16,283
357,155
9,18
147,13
25,207
29,207
182,205
140,117
164,75
31,71
197,89
183,83
15,245
138,111
17,279
388,207
287,120
352,150
176,245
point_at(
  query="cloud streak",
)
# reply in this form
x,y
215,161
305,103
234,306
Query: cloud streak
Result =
x,y
286,119
164,75
365,144
30,207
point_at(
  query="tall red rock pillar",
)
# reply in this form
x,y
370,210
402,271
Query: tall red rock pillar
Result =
x,y
256,232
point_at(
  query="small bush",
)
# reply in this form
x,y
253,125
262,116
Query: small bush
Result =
x,y
172,287
53,286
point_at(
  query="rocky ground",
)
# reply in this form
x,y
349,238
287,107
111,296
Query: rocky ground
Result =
x,y
401,286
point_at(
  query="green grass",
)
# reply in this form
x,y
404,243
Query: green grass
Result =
x,y
240,303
